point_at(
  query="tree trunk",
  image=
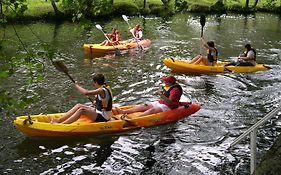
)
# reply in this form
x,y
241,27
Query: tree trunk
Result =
x,y
247,4
1,8
57,12
144,4
256,3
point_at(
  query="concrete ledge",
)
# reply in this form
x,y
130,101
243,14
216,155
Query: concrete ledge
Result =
x,y
271,163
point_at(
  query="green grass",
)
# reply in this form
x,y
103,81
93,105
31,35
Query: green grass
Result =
x,y
38,8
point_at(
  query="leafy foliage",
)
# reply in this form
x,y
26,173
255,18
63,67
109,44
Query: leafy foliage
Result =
x,y
87,8
25,69
14,7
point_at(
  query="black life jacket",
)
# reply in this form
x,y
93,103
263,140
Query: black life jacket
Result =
x,y
212,57
246,53
104,104
167,92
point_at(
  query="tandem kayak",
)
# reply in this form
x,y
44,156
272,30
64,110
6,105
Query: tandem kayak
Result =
x,y
124,45
40,126
183,66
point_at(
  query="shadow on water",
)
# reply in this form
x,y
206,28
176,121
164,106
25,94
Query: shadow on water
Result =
x,y
31,147
157,149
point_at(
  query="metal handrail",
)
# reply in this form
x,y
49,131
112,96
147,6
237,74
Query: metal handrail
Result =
x,y
253,137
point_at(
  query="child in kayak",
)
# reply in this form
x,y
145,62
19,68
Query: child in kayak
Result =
x,y
169,99
114,37
103,105
212,54
136,32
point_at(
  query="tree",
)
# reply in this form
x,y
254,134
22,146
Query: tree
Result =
x,y
247,4
57,12
166,3
87,8
256,3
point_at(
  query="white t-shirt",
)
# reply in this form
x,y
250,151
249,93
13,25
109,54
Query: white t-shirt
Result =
x,y
251,54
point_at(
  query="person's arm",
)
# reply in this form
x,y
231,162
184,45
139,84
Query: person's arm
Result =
x,y
163,97
204,44
88,92
250,55
174,97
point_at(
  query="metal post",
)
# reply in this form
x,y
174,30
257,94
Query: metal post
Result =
x,y
253,145
255,126
253,136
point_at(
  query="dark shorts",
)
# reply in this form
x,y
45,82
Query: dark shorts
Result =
x,y
239,63
100,118
244,63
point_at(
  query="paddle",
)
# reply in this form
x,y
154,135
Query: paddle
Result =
x,y
117,51
127,21
60,66
202,23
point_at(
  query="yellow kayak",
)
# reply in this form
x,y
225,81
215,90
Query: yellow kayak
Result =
x,y
124,45
40,126
183,66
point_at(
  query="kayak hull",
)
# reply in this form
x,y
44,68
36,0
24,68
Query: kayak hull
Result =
x,y
125,45
40,126
183,66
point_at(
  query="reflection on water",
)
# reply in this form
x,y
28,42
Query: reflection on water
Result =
x,y
231,102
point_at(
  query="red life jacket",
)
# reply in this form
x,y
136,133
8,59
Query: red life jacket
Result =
x,y
166,92
116,36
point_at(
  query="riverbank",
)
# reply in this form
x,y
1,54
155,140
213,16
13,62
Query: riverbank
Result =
x,y
45,10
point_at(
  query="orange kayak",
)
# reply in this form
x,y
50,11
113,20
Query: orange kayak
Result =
x,y
124,45
40,126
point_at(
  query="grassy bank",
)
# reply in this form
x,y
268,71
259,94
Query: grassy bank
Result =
x,y
43,9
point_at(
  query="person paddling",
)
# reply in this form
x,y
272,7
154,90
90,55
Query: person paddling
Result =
x,y
212,54
114,37
136,32
103,105
169,99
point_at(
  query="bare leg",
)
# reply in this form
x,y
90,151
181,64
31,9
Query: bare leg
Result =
x,y
153,110
83,110
66,115
138,108
195,59
204,60
103,43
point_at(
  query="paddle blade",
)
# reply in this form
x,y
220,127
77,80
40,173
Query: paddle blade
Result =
x,y
60,66
98,27
203,20
125,17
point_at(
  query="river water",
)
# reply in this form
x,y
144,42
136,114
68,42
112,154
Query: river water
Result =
x,y
196,145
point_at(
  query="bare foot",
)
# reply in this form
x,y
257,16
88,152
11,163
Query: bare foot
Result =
x,y
53,120
119,110
125,116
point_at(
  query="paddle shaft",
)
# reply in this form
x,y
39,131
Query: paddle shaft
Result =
x,y
60,66
70,77
117,50
127,21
